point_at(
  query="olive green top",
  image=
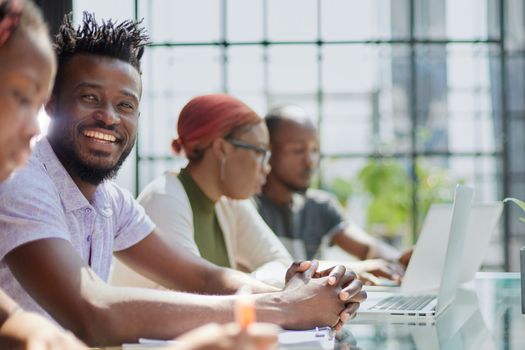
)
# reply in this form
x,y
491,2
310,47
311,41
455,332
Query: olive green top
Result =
x,y
207,232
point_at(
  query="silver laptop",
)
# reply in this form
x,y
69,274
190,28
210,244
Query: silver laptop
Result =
x,y
430,304
429,254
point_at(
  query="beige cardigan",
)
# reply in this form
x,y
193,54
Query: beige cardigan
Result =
x,y
251,244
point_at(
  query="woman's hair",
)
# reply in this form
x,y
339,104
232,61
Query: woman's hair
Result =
x,y
206,118
19,14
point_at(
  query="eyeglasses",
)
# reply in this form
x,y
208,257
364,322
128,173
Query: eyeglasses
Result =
x,y
265,153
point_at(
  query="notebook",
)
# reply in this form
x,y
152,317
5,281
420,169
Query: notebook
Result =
x,y
320,338
430,304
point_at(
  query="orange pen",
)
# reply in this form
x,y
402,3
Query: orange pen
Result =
x,y
244,308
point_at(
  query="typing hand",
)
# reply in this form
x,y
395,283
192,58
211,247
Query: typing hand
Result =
x,y
368,269
405,257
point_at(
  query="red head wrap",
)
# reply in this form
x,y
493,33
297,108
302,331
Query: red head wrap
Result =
x,y
10,13
206,118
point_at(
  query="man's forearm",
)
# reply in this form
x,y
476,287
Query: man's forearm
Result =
x,y
231,280
120,315
126,314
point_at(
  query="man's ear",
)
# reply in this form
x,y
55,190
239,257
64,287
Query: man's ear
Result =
x,y
50,106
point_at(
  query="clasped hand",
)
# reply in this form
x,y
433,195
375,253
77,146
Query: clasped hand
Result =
x,y
326,298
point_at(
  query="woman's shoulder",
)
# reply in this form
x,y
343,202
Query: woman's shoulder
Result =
x,y
167,184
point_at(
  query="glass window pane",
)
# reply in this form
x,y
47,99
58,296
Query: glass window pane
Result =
x,y
182,21
480,172
355,68
517,190
517,144
457,98
157,125
369,81
292,20
189,70
256,101
364,20
471,133
292,69
117,10
245,20
245,69
172,76
347,125
452,19
515,24
515,90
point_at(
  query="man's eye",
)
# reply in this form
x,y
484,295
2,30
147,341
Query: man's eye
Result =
x,y
90,98
127,107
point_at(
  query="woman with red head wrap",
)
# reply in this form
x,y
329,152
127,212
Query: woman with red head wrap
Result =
x,y
206,207
228,141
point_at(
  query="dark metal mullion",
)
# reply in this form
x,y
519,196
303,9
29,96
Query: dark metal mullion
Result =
x,y
329,42
506,132
224,46
427,154
266,69
477,135
320,100
413,117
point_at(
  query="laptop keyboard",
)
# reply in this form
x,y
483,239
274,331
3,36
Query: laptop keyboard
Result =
x,y
399,302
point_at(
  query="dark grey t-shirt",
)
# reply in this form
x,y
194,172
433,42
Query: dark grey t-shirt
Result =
x,y
305,223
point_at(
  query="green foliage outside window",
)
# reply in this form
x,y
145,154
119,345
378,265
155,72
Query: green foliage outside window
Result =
x,y
388,186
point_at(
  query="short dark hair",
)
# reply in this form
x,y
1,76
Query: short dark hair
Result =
x,y
272,123
124,41
285,112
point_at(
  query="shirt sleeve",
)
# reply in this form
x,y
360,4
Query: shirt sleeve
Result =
x,y
133,224
331,215
170,209
30,209
256,247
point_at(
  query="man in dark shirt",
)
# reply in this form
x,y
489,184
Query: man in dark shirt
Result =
x,y
304,218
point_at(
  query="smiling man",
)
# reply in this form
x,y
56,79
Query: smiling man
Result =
x,y
61,220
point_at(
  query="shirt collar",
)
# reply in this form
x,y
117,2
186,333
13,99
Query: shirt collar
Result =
x,y
70,195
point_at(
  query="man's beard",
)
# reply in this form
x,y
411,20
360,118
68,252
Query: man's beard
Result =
x,y
91,173
292,187
297,189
